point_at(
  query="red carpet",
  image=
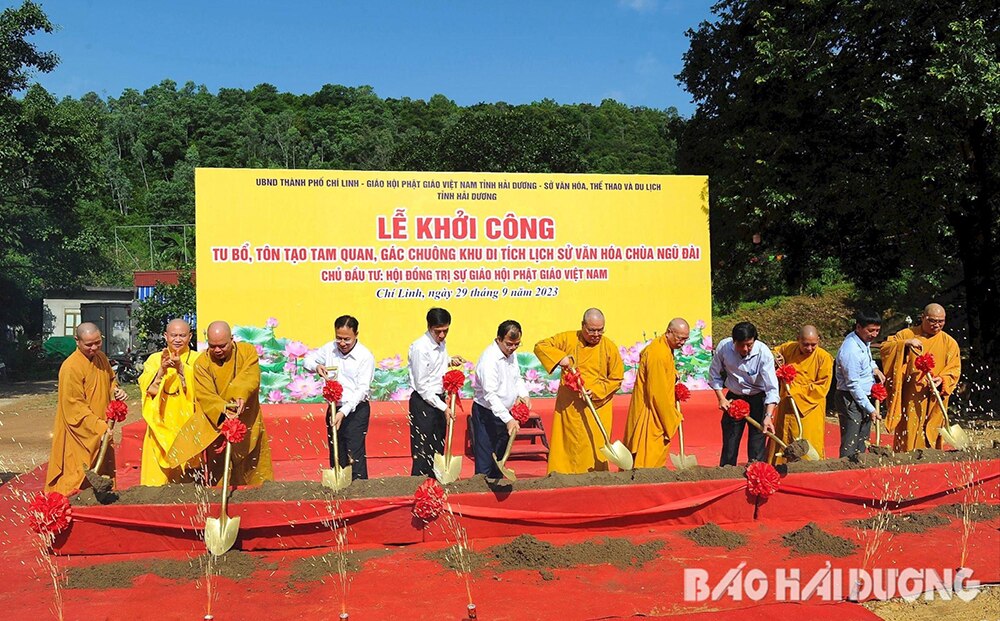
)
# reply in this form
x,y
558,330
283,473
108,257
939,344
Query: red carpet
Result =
x,y
402,583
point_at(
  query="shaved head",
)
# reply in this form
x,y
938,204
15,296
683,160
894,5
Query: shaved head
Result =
x,y
678,332
86,329
808,331
177,335
808,339
932,319
592,327
219,329
178,324
88,339
220,341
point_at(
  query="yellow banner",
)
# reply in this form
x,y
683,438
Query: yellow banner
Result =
x,y
282,253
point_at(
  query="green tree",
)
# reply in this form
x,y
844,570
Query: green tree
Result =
x,y
862,132
167,302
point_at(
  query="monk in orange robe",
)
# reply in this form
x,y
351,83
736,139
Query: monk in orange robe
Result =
x,y
227,384
814,373
653,415
913,414
86,386
576,439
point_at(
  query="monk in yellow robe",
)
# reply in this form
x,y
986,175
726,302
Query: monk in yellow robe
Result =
x,y
814,373
653,415
227,384
86,386
576,439
913,414
167,384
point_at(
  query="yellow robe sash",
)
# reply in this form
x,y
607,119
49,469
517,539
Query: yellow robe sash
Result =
x,y
653,416
165,414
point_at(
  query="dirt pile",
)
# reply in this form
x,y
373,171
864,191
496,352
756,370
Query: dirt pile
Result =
x,y
528,552
811,539
234,565
312,568
711,536
977,512
901,523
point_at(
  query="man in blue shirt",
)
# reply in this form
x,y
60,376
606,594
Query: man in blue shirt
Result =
x,y
745,367
856,373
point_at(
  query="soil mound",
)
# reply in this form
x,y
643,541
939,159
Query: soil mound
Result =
x,y
528,552
234,565
811,539
901,523
711,536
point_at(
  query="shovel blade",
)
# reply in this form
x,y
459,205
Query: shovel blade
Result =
x,y
507,473
102,484
447,469
336,478
617,454
220,534
683,462
955,436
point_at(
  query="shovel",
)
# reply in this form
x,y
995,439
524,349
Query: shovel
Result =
x,y
102,484
502,463
448,467
798,448
338,477
220,532
615,452
952,434
811,453
682,461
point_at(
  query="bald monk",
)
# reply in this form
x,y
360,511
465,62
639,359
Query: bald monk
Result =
x,y
229,374
86,386
913,414
814,373
576,440
167,385
653,416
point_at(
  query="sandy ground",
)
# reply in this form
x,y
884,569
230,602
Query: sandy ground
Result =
x,y
27,410
985,607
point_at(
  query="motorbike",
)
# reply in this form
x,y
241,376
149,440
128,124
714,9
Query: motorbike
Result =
x,y
127,366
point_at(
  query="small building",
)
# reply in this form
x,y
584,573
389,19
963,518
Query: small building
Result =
x,y
109,307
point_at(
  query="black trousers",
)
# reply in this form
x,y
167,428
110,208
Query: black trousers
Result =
x,y
489,435
350,439
732,432
427,429
855,424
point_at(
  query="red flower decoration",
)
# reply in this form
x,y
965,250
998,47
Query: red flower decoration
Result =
x,y
453,381
879,393
520,412
681,392
739,409
117,411
925,362
333,392
573,380
234,430
428,501
786,373
49,514
762,479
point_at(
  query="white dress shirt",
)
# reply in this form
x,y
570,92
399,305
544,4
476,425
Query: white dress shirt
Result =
x,y
744,376
428,362
499,382
354,370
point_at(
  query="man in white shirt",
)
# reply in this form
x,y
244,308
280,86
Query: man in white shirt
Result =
x,y
498,387
428,362
744,367
350,363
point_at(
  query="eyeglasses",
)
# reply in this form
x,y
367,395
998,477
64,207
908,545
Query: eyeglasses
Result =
x,y
680,339
935,322
594,332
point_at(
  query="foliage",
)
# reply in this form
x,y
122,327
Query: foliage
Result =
x,y
167,302
861,132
